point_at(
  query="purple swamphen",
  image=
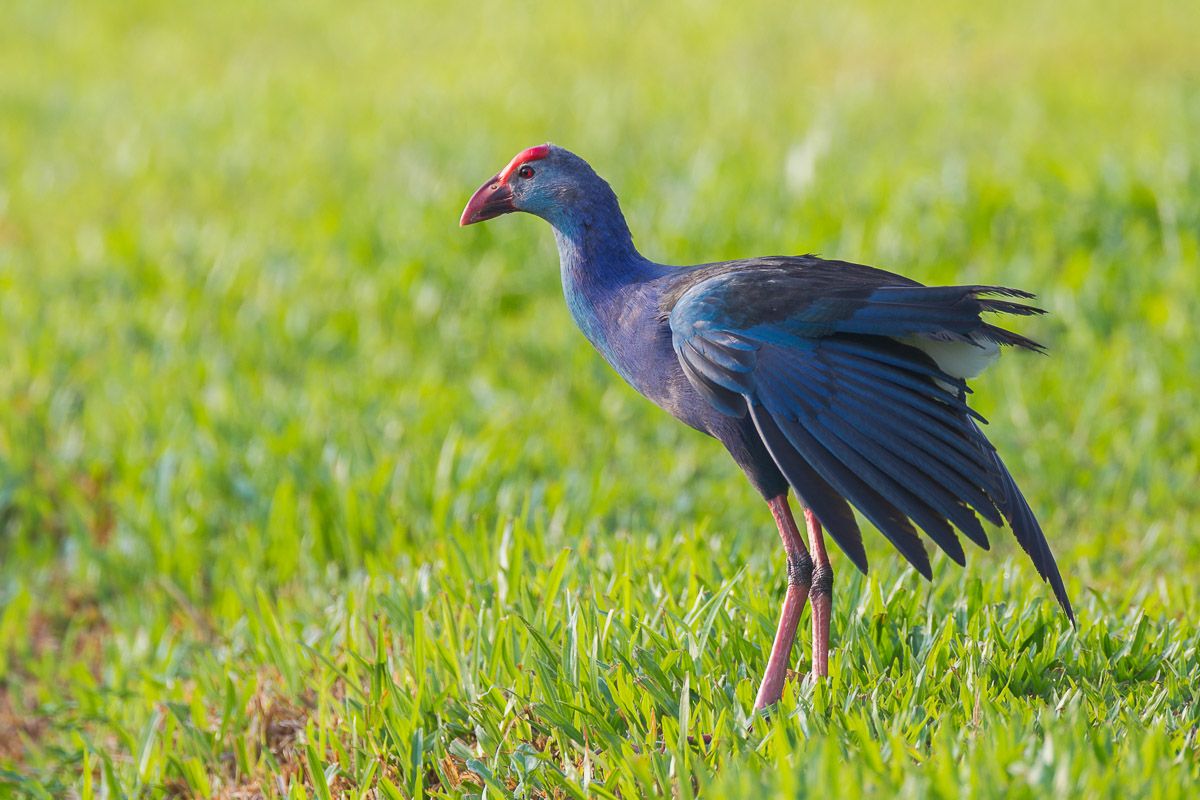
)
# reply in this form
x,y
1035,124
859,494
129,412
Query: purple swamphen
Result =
x,y
844,382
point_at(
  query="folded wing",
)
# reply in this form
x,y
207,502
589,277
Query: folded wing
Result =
x,y
828,360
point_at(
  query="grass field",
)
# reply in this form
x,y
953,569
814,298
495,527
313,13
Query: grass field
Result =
x,y
304,491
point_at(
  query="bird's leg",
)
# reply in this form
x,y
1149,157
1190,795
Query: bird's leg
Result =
x,y
822,595
799,572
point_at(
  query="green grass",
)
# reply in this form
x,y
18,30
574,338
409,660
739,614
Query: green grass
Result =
x,y
305,491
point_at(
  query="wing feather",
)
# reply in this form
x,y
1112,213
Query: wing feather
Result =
x,y
851,413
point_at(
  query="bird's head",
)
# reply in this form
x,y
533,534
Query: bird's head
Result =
x,y
541,180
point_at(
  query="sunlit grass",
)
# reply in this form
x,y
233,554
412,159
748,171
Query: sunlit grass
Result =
x,y
304,490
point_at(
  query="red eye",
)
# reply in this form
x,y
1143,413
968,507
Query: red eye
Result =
x,y
525,171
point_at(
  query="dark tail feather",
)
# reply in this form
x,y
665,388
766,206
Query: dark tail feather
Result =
x,y
883,515
1007,337
1029,535
832,510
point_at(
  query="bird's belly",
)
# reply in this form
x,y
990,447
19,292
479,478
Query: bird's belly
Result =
x,y
649,365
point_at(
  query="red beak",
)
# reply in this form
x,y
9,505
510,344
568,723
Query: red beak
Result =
x,y
490,200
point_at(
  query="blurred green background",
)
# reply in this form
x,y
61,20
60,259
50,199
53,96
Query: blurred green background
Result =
x,y
305,490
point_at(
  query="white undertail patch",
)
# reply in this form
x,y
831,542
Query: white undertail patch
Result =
x,y
958,359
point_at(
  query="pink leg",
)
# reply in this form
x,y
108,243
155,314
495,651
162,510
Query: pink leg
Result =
x,y
822,596
799,571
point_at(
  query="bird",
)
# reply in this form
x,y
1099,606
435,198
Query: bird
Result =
x,y
843,383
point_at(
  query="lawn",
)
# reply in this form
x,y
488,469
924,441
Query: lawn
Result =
x,y
305,491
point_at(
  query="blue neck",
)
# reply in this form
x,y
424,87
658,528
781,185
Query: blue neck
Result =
x,y
599,263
